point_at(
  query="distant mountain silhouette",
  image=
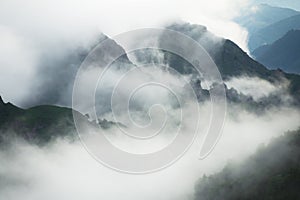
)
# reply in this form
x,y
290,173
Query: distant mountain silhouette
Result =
x,y
293,4
283,53
262,15
273,32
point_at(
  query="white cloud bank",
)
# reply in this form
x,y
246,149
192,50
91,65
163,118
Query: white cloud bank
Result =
x,y
34,29
66,171
259,88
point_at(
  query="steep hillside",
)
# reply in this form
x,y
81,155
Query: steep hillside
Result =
x,y
273,173
230,59
283,53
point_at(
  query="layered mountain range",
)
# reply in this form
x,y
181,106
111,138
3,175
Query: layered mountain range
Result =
x,y
283,53
271,32
41,123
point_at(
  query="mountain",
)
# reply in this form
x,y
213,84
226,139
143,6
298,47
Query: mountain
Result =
x,y
40,124
294,4
56,73
231,60
273,173
43,123
57,77
273,32
283,53
262,15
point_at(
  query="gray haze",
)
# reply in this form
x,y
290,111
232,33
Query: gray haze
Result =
x,y
64,170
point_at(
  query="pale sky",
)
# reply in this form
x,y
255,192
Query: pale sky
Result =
x,y
30,29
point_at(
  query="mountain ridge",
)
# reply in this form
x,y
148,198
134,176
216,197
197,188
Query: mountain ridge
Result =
x,y
283,53
273,32
262,15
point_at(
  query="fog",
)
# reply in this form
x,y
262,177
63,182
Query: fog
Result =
x,y
64,170
47,36
42,46
12,46
259,88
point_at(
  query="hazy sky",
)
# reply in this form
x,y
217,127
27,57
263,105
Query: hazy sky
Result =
x,y
293,4
32,30
68,19
35,34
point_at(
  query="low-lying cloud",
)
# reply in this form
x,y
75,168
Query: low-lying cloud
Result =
x,y
64,170
42,37
258,88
